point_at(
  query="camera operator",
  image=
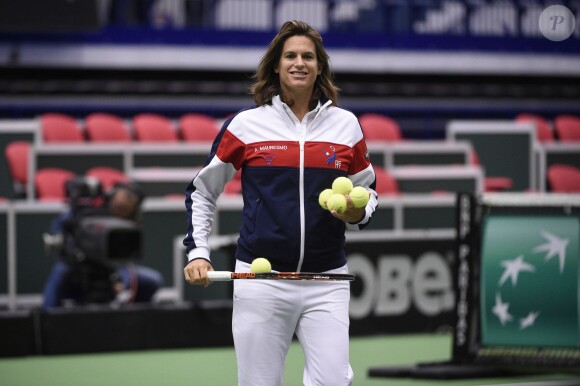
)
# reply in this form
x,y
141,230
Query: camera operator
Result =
x,y
88,280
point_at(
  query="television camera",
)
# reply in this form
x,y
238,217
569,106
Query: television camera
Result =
x,y
94,242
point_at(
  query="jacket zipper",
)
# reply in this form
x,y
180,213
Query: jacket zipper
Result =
x,y
302,210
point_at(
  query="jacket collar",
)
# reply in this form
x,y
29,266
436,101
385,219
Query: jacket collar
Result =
x,y
281,106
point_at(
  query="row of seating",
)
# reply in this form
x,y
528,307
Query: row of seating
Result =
x,y
49,182
565,127
144,127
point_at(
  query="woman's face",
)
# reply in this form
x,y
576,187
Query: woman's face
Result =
x,y
298,66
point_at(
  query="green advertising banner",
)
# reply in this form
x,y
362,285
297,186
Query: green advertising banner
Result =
x,y
530,275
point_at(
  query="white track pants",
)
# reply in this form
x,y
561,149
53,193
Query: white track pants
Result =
x,y
266,315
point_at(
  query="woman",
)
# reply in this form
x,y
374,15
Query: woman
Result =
x,y
290,147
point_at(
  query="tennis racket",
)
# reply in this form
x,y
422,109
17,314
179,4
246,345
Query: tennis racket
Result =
x,y
228,276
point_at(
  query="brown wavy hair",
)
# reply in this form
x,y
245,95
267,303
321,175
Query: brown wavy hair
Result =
x,y
266,82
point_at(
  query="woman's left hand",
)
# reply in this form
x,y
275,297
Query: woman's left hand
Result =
x,y
351,214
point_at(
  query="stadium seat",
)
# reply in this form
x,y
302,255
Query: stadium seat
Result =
x,y
544,131
56,127
107,176
154,128
492,183
17,153
234,186
174,197
386,184
378,127
103,127
568,128
497,184
50,183
198,127
564,178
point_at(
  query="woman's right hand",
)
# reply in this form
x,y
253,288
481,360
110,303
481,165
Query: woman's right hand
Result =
x,y
196,272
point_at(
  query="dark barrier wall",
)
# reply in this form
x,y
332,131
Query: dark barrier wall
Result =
x,y
3,247
401,285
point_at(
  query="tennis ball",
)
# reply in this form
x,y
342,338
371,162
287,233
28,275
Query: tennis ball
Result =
x,y
260,265
359,196
342,185
336,202
324,196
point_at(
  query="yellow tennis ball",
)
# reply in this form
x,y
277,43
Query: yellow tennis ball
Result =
x,y
260,265
359,196
342,185
324,196
336,202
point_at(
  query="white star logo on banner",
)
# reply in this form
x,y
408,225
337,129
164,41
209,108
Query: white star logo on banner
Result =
x,y
554,246
513,268
501,310
529,320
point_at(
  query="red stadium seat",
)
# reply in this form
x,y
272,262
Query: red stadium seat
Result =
x,y
17,153
492,183
544,131
57,127
174,197
50,183
234,186
564,178
107,176
378,127
103,127
154,128
568,128
386,184
198,127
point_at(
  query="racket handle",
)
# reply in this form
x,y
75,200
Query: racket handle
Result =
x,y
219,275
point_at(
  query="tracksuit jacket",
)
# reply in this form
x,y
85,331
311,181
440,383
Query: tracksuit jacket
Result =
x,y
285,165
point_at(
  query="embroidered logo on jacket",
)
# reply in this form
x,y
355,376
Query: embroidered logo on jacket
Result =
x,y
330,157
269,158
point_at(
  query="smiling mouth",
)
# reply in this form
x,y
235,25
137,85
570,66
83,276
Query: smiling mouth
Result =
x,y
299,73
